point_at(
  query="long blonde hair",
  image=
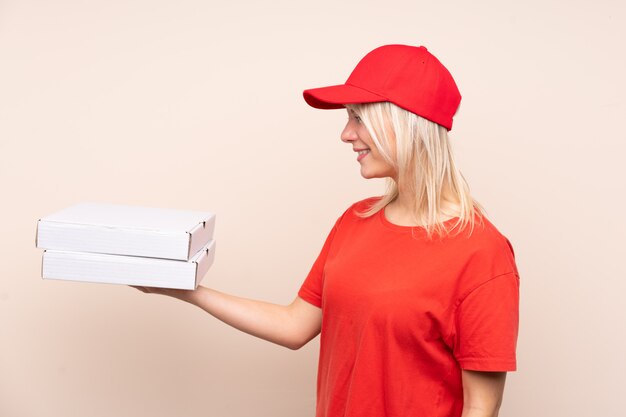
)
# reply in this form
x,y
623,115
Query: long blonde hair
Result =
x,y
424,164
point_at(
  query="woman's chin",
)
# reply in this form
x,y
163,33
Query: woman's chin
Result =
x,y
370,175
367,175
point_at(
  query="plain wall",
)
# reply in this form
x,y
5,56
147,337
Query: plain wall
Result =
x,y
198,105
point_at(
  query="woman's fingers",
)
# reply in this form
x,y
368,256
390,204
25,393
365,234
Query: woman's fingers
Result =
x,y
154,290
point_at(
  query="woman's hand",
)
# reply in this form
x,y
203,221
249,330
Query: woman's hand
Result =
x,y
170,292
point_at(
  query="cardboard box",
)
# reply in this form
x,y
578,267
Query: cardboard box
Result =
x,y
126,230
129,270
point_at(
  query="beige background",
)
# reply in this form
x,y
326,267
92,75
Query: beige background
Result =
x,y
197,105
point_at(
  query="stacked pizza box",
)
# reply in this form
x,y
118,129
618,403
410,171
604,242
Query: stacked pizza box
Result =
x,y
122,244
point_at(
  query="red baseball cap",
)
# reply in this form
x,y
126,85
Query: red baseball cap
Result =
x,y
408,76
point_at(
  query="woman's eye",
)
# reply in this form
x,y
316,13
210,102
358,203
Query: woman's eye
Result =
x,y
355,116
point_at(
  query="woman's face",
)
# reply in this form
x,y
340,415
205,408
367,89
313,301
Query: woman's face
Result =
x,y
373,165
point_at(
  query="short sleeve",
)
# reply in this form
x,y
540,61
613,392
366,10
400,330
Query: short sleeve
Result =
x,y
311,289
487,322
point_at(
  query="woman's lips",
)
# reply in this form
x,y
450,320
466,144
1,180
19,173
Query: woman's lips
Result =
x,y
362,154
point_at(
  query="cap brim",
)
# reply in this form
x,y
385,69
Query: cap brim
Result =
x,y
335,96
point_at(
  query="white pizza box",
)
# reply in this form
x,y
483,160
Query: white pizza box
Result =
x,y
128,270
126,230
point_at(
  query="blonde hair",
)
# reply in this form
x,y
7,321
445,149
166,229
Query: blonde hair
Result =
x,y
424,164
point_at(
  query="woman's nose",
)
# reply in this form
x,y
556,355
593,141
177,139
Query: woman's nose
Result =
x,y
348,134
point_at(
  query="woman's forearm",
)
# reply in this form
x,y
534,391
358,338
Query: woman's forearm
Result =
x,y
291,326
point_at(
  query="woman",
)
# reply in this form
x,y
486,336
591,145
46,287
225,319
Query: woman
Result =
x,y
415,293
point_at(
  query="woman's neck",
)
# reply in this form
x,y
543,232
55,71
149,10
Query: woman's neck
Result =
x,y
401,209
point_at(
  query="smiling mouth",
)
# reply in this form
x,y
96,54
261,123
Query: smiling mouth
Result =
x,y
362,154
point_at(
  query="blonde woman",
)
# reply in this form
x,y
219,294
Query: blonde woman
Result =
x,y
415,293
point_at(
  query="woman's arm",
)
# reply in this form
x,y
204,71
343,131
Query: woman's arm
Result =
x,y
291,326
482,393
